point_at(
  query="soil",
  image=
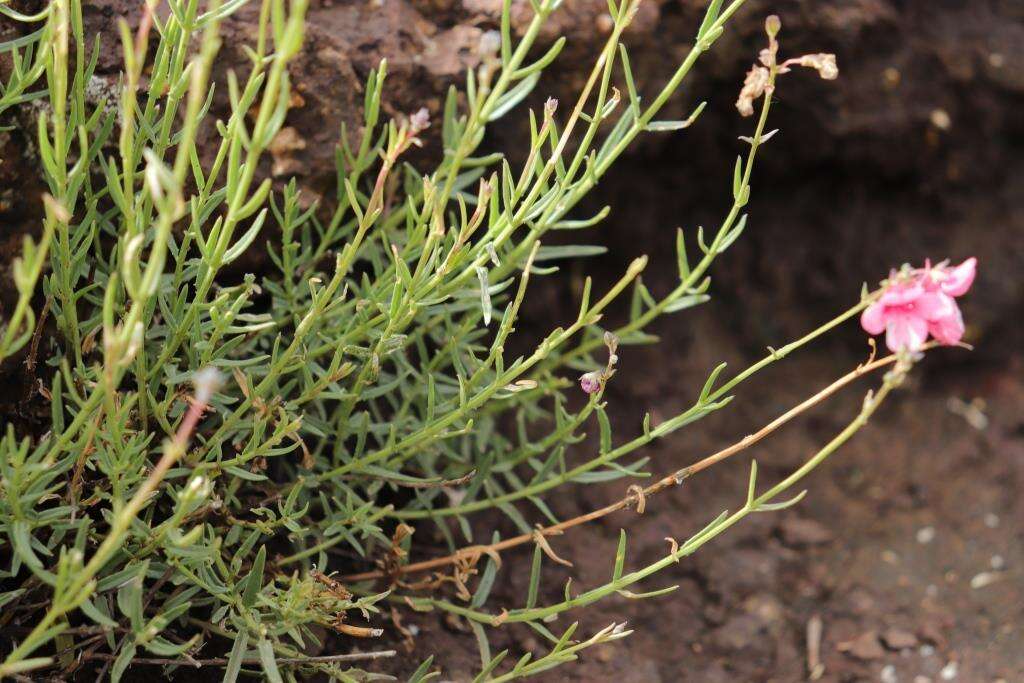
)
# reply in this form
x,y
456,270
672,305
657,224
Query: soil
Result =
x,y
908,547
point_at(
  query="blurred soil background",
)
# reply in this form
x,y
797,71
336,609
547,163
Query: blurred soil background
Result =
x,y
907,551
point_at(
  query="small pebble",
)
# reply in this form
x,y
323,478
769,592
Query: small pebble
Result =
x,y
888,674
864,647
940,119
984,579
997,562
898,639
891,76
927,650
949,671
991,520
931,590
926,535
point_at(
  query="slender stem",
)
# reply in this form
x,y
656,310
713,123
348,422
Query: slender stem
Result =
x,y
713,530
223,661
636,495
691,413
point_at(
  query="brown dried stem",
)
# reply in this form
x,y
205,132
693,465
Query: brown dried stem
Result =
x,y
222,661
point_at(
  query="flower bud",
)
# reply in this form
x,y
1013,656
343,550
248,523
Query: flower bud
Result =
x,y
590,383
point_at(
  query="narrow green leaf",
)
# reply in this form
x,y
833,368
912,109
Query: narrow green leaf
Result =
x,y
269,662
534,585
254,581
235,658
620,556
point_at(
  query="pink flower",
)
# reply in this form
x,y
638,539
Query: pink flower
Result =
x,y
952,281
590,382
920,302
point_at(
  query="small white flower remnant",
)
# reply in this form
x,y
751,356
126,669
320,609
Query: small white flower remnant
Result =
x,y
419,121
490,43
822,62
550,107
206,382
760,79
198,488
593,382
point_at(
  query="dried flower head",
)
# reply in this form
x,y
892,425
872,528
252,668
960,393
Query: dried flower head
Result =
x,y
824,63
760,79
753,87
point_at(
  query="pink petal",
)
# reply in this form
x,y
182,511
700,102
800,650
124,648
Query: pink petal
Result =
x,y
873,318
905,331
959,279
948,329
934,306
901,294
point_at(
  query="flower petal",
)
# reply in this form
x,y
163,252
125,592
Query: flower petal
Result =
x,y
959,279
905,331
934,306
901,293
873,318
948,329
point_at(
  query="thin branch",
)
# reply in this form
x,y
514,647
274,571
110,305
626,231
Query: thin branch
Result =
x,y
636,495
222,661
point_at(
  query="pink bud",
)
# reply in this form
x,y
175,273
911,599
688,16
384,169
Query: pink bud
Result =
x,y
590,382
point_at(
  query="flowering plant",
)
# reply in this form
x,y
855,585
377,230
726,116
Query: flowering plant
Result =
x,y
919,302
235,469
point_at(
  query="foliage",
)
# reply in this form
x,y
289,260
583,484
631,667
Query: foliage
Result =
x,y
366,379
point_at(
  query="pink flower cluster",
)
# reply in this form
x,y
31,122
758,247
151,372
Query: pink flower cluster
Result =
x,y
920,302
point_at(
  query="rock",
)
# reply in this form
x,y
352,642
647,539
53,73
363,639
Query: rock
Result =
x,y
898,639
738,633
931,632
803,531
865,647
860,601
